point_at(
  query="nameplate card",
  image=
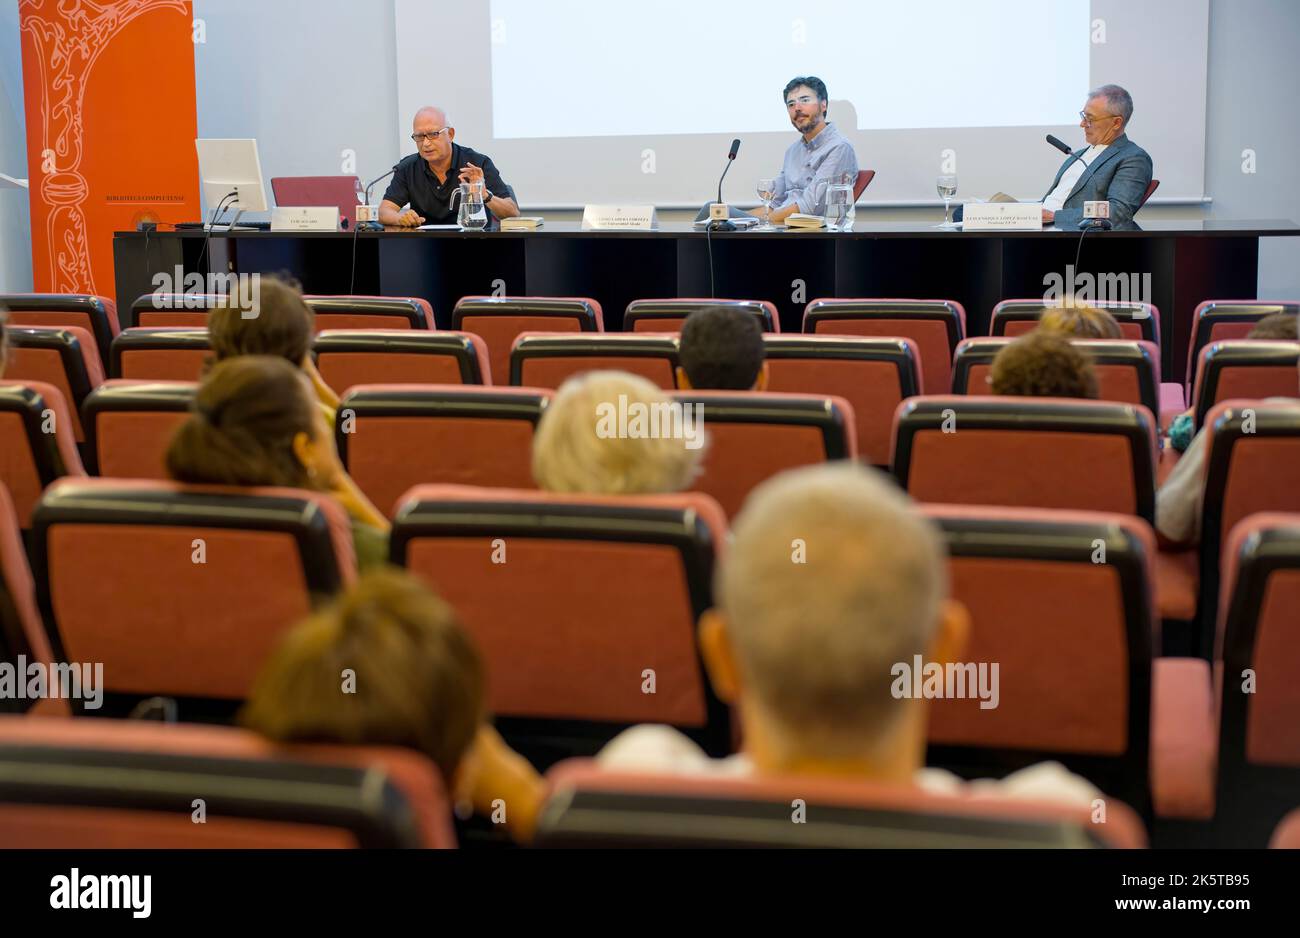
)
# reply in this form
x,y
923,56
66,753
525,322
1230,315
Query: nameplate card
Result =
x,y
1002,216
305,218
619,218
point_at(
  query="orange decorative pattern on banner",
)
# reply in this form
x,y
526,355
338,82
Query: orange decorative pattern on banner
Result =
x,y
109,95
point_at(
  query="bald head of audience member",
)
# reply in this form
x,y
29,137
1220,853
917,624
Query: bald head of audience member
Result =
x,y
832,579
722,350
1043,364
612,433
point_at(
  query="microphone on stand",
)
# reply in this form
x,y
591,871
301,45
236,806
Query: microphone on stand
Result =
x,y
1060,144
721,224
731,158
374,224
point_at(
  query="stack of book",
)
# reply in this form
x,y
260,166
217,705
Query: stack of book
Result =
x,y
800,220
522,223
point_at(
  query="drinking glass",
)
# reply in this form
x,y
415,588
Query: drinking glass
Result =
x,y
766,191
947,186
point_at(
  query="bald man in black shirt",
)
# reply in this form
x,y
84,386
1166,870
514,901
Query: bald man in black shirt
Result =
x,y
427,178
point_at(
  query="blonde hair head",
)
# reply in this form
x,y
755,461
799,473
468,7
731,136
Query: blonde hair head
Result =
x,y
573,450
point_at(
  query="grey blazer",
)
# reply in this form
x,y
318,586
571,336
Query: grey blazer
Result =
x,y
1120,175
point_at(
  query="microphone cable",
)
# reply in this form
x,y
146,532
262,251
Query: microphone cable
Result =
x,y
216,216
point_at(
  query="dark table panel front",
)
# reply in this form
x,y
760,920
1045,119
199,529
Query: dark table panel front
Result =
x,y
1175,265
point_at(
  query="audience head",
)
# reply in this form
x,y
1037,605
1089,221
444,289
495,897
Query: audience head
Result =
x,y
611,433
277,322
1277,326
420,682
4,340
1080,321
807,649
722,349
254,422
1043,364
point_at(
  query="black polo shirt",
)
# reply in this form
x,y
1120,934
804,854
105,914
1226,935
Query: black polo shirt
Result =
x,y
414,182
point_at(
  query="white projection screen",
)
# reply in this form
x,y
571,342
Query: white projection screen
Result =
x,y
582,101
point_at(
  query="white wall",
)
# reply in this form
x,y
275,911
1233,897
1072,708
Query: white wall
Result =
x,y
312,80
1252,105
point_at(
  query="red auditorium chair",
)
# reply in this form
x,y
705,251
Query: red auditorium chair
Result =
x,y
1152,186
501,319
576,602
592,807
547,360
1028,452
752,437
1217,320
129,425
404,435
78,784
1258,645
860,184
1016,317
169,310
668,315
62,356
181,591
1244,369
144,354
347,357
936,326
1128,371
1252,465
1076,642
873,374
96,314
30,458
981,450
370,312
21,631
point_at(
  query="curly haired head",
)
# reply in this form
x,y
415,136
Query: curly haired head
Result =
x,y
1044,364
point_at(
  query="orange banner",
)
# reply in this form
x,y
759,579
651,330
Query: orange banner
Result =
x,y
109,93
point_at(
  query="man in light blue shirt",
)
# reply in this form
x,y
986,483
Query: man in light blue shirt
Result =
x,y
820,157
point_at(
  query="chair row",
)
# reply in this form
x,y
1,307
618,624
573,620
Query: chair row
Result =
x,y
873,373
950,449
260,796
937,326
118,784
1076,640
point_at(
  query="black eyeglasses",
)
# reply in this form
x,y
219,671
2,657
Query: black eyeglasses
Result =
x,y
419,138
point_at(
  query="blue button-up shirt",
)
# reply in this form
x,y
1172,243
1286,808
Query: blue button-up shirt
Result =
x,y
810,167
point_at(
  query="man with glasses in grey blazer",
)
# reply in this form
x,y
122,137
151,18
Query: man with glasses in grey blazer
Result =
x,y
1111,168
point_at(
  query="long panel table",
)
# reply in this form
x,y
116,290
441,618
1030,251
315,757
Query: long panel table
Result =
x,y
1187,262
